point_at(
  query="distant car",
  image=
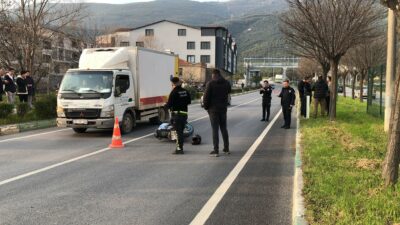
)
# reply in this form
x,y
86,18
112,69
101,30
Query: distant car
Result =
x,y
273,86
365,93
340,89
202,102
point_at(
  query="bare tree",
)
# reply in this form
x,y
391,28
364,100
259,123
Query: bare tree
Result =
x,y
150,42
330,28
26,23
309,67
365,56
390,172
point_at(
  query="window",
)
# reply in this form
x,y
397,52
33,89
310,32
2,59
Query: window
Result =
x,y
47,44
46,58
191,58
205,59
207,32
122,84
205,45
149,32
124,44
140,44
191,45
181,32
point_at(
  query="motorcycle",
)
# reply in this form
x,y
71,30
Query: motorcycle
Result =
x,y
166,130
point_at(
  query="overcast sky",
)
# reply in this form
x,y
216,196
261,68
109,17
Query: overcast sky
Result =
x,y
130,1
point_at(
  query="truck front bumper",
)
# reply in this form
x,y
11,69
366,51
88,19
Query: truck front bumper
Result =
x,y
86,123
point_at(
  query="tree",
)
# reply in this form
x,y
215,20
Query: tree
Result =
x,y
150,42
365,56
330,28
390,172
26,24
309,67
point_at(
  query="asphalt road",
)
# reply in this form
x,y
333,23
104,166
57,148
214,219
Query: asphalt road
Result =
x,y
55,176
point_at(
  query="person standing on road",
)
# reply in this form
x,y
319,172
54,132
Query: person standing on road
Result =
x,y
10,87
22,88
288,98
320,89
216,103
266,92
31,88
2,72
178,102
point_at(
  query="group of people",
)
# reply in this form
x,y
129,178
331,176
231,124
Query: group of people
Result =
x,y
321,98
288,99
215,101
12,85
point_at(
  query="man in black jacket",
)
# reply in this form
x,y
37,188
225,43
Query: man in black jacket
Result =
x,y
10,87
266,92
320,89
2,72
178,102
31,88
304,88
22,88
288,98
216,103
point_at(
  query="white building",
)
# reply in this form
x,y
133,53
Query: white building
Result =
x,y
211,45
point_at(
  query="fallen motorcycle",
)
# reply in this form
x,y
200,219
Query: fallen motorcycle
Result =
x,y
166,130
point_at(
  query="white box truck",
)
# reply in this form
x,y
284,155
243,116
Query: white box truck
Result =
x,y
130,83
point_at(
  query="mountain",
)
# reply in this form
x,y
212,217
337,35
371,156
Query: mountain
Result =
x,y
253,23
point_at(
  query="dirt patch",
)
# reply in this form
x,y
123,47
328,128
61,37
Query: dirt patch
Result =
x,y
368,164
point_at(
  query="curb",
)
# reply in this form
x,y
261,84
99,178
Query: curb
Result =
x,y
22,127
298,214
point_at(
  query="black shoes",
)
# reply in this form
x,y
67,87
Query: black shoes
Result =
x,y
226,151
262,120
284,126
214,153
178,151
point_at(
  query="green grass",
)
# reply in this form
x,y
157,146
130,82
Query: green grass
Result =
x,y
342,169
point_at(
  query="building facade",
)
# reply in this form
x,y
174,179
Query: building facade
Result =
x,y
213,46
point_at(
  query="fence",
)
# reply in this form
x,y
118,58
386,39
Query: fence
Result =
x,y
376,91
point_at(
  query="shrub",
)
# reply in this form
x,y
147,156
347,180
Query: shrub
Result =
x,y
192,91
6,109
22,109
46,107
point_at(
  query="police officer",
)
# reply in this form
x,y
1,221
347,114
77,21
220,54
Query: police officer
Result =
x,y
288,97
178,102
266,92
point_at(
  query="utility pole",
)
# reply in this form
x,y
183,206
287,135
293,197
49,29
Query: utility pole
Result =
x,y
391,67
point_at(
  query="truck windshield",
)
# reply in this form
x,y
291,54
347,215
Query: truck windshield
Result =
x,y
87,84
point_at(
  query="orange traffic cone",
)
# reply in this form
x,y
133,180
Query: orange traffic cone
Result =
x,y
116,139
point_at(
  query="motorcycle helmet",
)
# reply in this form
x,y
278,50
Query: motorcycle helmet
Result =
x,y
196,139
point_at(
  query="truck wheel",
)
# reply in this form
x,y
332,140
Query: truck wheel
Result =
x,y
127,123
79,130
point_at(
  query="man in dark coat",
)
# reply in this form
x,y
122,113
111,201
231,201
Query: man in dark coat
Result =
x,y
178,102
320,89
31,88
266,92
22,87
2,72
304,88
288,98
10,88
216,103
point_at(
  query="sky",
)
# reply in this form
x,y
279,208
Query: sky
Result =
x,y
131,1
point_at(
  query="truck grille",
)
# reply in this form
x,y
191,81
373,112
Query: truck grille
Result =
x,y
82,113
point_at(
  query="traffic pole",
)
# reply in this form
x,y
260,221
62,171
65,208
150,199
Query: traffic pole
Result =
x,y
308,107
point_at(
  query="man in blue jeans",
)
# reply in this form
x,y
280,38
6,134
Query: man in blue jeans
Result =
x,y
216,103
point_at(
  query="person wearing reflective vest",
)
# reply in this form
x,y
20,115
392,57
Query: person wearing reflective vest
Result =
x,y
178,102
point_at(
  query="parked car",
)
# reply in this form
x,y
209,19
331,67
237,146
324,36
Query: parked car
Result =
x,y
202,102
365,93
340,89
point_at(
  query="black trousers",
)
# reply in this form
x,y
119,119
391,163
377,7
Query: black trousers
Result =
x,y
266,108
1,96
287,115
23,98
219,122
179,122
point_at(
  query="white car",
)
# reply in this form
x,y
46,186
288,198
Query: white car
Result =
x,y
202,102
365,93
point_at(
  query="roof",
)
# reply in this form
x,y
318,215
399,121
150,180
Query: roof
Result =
x,y
161,21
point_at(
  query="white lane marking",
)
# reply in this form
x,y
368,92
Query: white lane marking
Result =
x,y
25,175
33,135
212,203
